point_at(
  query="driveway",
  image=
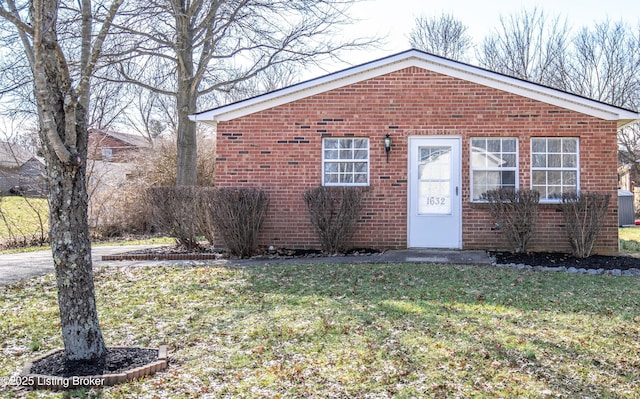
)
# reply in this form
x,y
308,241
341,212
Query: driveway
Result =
x,y
16,267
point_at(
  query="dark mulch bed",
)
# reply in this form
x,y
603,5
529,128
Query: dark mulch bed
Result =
x,y
118,360
555,259
263,253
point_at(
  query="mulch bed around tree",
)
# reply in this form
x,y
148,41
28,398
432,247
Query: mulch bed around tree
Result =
x,y
118,360
555,259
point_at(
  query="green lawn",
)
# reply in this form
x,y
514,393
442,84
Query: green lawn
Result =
x,y
22,217
342,331
629,239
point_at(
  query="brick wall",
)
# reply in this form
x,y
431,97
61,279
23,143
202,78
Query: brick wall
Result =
x,y
279,150
120,151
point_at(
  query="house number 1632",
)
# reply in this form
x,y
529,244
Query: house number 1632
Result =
x,y
435,201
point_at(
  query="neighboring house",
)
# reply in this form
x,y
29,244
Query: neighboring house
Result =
x,y
112,146
456,131
21,173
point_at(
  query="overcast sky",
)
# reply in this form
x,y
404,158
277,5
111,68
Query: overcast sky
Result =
x,y
396,18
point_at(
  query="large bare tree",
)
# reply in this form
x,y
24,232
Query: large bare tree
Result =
x,y
445,36
63,46
196,50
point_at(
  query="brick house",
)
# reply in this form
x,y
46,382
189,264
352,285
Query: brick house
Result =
x,y
110,146
456,131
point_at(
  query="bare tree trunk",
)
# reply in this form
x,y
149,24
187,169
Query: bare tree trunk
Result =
x,y
187,143
71,249
186,98
64,135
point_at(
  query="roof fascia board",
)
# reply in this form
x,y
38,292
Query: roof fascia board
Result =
x,y
415,58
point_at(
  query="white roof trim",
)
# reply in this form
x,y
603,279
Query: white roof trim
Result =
x,y
415,58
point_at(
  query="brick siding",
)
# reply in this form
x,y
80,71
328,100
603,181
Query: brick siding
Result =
x,y
279,150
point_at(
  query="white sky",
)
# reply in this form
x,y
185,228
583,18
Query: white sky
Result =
x,y
396,18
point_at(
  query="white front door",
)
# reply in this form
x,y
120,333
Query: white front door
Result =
x,y
435,219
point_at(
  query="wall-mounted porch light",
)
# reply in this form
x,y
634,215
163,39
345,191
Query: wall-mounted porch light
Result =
x,y
387,145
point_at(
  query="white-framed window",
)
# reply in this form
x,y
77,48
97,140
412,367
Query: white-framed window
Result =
x,y
494,164
345,161
554,166
107,154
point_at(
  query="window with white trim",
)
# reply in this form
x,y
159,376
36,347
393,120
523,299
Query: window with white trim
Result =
x,y
345,161
494,164
554,166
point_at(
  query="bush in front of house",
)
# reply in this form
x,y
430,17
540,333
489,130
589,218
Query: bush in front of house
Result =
x,y
583,215
334,212
174,211
516,213
237,215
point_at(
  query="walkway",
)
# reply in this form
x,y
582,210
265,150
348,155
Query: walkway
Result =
x,y
16,267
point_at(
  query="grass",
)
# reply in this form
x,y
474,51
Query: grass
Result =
x,y
21,217
343,331
629,240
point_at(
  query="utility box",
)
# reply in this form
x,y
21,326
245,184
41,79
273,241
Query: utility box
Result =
x,y
626,214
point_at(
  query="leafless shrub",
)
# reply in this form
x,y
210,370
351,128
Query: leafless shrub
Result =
x,y
160,166
205,203
583,215
516,213
174,211
237,215
334,212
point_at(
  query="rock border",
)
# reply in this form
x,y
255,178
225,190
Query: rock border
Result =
x,y
193,256
56,383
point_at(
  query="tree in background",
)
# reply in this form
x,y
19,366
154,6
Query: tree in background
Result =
x,y
529,46
194,51
445,36
62,46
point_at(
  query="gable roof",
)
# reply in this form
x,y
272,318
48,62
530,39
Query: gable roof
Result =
x,y
13,155
131,140
420,59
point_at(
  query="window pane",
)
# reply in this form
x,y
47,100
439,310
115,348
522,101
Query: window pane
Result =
x,y
346,154
361,178
331,154
509,145
539,177
361,143
360,154
360,167
509,161
555,160
539,145
493,145
331,143
346,143
570,145
478,158
539,161
554,177
553,145
479,143
346,178
569,178
346,167
330,167
508,178
332,178
569,161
